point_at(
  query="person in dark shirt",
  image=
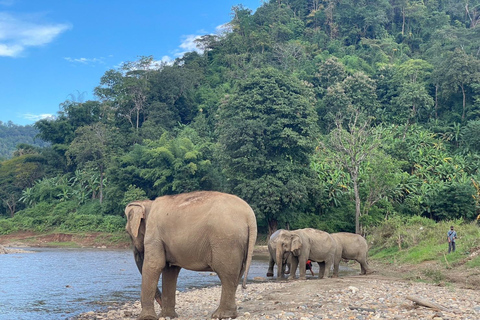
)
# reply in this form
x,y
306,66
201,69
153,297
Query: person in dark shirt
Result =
x,y
451,236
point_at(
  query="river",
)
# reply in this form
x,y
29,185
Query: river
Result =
x,y
51,284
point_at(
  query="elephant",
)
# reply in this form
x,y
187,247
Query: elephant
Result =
x,y
307,244
350,246
199,231
286,259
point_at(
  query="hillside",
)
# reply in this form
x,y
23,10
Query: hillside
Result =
x,y
334,115
12,135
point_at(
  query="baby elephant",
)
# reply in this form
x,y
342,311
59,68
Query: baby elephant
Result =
x,y
350,246
286,257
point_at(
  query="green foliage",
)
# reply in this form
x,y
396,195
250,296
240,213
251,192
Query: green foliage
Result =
x,y
417,239
244,116
266,132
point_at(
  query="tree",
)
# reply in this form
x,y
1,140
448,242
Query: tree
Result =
x,y
413,96
351,148
459,71
17,174
266,132
90,149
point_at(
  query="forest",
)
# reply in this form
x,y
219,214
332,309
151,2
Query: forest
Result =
x,y
329,114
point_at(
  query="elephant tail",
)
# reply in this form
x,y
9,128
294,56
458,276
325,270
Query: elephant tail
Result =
x,y
252,238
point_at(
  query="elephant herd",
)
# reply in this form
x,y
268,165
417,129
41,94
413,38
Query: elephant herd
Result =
x,y
216,232
294,248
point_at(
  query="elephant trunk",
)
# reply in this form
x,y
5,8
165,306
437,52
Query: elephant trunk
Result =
x,y
139,256
279,260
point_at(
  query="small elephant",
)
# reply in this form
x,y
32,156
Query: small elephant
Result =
x,y
307,244
199,231
286,259
350,246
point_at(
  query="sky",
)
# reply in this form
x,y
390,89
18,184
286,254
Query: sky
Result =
x,y
57,50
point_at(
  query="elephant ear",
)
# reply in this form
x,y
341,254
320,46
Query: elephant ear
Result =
x,y
135,212
296,245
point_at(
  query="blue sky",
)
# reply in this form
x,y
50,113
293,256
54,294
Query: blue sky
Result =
x,y
53,50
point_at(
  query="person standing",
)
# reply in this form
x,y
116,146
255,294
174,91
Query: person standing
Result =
x,y
309,267
451,236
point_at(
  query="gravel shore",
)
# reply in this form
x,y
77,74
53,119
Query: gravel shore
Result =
x,y
356,297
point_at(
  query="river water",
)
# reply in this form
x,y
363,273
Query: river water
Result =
x,y
51,284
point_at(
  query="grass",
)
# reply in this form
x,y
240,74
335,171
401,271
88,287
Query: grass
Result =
x,y
416,240
66,244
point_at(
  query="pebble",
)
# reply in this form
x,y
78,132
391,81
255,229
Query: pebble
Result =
x,y
353,299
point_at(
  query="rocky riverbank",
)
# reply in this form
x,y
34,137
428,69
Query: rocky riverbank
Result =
x,y
356,297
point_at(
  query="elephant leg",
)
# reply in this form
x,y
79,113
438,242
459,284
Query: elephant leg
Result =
x,y
336,266
329,264
364,267
293,268
321,273
169,287
302,262
228,307
151,270
271,263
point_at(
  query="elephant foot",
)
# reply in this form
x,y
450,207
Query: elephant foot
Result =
x,y
224,314
335,276
147,315
302,278
168,314
269,274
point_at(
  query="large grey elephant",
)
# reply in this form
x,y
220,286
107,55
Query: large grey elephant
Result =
x,y
200,231
286,259
350,246
307,244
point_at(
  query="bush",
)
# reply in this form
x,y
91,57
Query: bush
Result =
x,y
82,222
7,226
112,224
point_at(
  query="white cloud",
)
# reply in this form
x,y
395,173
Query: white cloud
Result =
x,y
85,60
18,34
188,44
36,117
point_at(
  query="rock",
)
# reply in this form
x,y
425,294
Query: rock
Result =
x,y
3,250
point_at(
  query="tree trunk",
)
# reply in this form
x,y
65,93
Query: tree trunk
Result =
x,y
272,227
463,92
426,303
357,203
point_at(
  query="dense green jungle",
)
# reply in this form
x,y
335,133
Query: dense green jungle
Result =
x,y
337,115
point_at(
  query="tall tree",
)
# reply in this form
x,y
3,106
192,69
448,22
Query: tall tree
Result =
x,y
351,148
413,96
266,132
459,71
91,149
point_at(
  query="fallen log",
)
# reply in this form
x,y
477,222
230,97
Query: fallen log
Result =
x,y
426,303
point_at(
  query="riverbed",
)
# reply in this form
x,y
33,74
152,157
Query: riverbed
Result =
x,y
53,283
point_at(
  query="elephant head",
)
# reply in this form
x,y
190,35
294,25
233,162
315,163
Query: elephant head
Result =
x,y
288,243
137,213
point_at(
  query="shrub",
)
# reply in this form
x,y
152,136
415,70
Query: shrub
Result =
x,y
7,226
112,224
